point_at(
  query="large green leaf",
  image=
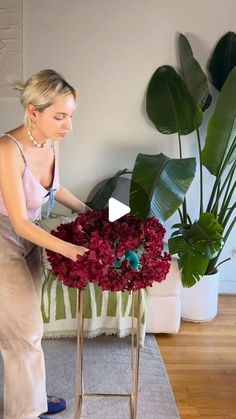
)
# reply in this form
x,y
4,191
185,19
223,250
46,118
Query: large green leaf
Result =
x,y
205,235
223,59
193,266
193,75
170,105
196,245
159,184
98,199
177,244
221,130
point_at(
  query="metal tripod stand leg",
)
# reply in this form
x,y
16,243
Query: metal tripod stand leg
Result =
x,y
134,359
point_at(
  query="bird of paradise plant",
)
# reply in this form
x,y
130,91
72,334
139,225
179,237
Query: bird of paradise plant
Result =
x,y
176,103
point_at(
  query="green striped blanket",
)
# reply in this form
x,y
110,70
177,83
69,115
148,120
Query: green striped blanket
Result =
x,y
104,311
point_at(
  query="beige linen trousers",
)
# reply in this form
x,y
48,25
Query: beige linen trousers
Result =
x,y
21,326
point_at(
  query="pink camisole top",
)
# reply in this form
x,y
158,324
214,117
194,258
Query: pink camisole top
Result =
x,y
36,196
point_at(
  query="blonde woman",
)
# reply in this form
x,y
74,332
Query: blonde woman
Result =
x,y
28,180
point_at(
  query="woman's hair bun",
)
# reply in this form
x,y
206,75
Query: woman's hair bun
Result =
x,y
18,85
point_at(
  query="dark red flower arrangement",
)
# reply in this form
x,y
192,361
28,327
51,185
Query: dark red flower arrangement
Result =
x,y
114,249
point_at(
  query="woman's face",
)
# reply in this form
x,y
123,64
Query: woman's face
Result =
x,y
56,120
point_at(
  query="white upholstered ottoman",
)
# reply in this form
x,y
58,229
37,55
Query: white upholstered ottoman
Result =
x,y
163,303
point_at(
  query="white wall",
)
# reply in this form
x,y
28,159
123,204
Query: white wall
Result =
x,y
109,50
11,61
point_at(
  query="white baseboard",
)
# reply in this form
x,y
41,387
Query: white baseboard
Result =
x,y
227,287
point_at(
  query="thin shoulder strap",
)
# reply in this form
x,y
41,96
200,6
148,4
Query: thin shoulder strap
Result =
x,y
19,146
53,148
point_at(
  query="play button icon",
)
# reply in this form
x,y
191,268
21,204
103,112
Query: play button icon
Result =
x,y
116,209
114,194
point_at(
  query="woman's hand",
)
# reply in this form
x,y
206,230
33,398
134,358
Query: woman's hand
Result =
x,y
75,251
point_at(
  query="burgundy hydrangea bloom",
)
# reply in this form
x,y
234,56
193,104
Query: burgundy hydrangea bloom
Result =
x,y
108,241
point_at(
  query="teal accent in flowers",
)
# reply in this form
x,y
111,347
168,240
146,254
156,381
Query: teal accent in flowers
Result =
x,y
117,263
132,257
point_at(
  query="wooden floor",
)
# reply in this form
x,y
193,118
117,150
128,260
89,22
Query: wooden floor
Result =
x,y
201,364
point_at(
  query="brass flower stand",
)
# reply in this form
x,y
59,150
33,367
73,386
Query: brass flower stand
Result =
x,y
134,361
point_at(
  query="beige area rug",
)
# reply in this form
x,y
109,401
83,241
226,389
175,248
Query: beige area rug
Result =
x,y
106,367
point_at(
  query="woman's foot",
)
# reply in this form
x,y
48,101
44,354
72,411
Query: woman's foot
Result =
x,y
55,404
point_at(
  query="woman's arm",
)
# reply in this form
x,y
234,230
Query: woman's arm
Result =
x,y
66,198
11,185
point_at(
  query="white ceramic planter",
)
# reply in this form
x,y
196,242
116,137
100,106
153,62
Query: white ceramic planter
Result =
x,y
200,302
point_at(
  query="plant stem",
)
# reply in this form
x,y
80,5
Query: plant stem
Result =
x,y
213,192
184,205
180,147
200,171
226,204
189,219
230,212
226,184
219,174
216,204
227,157
223,261
213,267
229,229
212,262
180,215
